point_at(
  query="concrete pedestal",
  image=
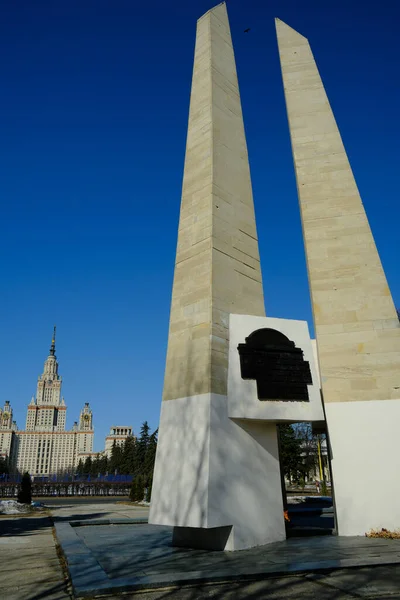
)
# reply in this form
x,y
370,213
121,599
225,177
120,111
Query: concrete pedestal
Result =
x,y
217,480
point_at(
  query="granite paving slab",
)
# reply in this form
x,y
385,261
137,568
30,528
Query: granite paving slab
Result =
x,y
360,582
372,583
122,557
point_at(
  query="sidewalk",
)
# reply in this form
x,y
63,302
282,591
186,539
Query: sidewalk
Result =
x,y
30,567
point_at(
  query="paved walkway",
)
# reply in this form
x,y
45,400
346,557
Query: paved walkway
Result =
x,y
29,565
120,555
69,511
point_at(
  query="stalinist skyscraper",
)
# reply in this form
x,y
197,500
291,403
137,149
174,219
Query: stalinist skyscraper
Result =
x,y
45,447
48,411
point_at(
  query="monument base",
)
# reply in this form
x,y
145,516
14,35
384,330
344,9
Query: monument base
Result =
x,y
215,538
365,464
216,480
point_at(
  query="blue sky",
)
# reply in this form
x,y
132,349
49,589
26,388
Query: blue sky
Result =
x,y
93,117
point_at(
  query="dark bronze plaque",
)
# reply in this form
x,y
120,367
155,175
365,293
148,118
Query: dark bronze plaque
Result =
x,y
276,364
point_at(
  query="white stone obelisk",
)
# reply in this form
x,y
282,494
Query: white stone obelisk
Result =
x,y
216,480
357,330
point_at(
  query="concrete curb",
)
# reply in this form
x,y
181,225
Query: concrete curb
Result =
x,y
125,521
310,510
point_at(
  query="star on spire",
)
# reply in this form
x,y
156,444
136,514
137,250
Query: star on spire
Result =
x,y
53,343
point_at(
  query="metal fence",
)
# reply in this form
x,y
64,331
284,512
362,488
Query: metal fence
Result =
x,y
72,485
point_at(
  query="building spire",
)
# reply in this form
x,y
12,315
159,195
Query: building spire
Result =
x,y
53,343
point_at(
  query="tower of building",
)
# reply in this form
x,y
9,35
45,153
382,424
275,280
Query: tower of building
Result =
x,y
48,410
46,447
6,416
7,430
85,430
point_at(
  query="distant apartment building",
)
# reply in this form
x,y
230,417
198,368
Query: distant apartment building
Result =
x,y
117,435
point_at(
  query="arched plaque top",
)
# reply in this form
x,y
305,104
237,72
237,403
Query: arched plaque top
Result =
x,y
268,338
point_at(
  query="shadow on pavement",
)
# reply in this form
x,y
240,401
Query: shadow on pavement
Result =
x,y
14,525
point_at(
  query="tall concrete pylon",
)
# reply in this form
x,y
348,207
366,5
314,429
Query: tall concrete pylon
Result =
x,y
217,268
357,330
210,469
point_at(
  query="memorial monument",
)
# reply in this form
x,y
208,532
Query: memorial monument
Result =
x,y
217,478
231,372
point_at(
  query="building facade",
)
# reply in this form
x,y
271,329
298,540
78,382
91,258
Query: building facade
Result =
x,y
46,447
118,435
